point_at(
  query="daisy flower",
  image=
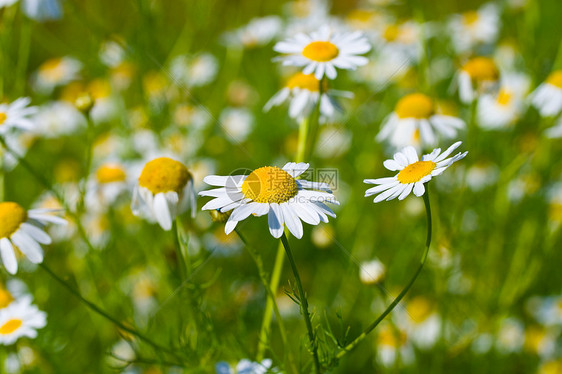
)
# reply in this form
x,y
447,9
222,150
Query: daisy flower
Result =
x,y
422,321
415,122
23,230
56,72
58,118
478,75
475,27
372,272
394,345
164,190
42,10
303,92
19,319
413,172
504,108
272,191
16,115
547,98
400,38
322,52
258,32
109,181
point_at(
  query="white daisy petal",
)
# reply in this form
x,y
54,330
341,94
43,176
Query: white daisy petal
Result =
x,y
162,211
29,247
8,256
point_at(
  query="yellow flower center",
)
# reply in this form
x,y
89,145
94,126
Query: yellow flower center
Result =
x,y
3,117
110,173
415,106
419,308
390,338
163,175
415,172
470,18
52,69
320,51
270,184
306,82
482,69
5,298
12,215
10,326
504,97
360,15
555,79
391,33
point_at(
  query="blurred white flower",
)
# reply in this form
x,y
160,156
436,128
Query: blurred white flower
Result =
x,y
372,272
19,319
237,123
58,118
16,115
194,71
478,75
547,98
473,28
56,72
258,32
42,10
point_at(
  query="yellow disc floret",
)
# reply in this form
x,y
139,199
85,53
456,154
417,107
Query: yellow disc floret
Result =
x,y
390,338
164,175
3,117
415,172
52,69
419,308
415,105
555,79
110,173
306,82
321,51
470,18
391,33
270,184
10,326
504,97
482,69
5,297
12,215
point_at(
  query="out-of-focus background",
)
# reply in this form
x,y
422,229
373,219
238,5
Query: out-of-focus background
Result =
x,y
189,79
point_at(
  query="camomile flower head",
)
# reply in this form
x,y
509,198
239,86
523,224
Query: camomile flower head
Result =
x,y
474,28
258,32
402,38
23,230
16,115
422,321
109,181
57,118
415,121
6,297
501,109
195,71
20,319
303,91
42,10
413,173
477,76
164,190
547,98
56,72
372,272
322,51
393,344
274,192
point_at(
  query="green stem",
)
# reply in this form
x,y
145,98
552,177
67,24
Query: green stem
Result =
x,y
23,56
304,127
182,250
397,300
303,305
104,314
271,296
270,303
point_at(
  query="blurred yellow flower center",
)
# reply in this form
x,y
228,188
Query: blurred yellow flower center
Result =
x,y
415,106
320,51
5,298
482,69
470,18
504,97
360,15
270,184
164,175
3,117
391,33
419,308
52,69
390,338
415,172
554,79
10,326
12,215
306,82
110,173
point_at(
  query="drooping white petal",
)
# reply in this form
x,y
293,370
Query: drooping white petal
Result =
x,y
8,256
162,211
